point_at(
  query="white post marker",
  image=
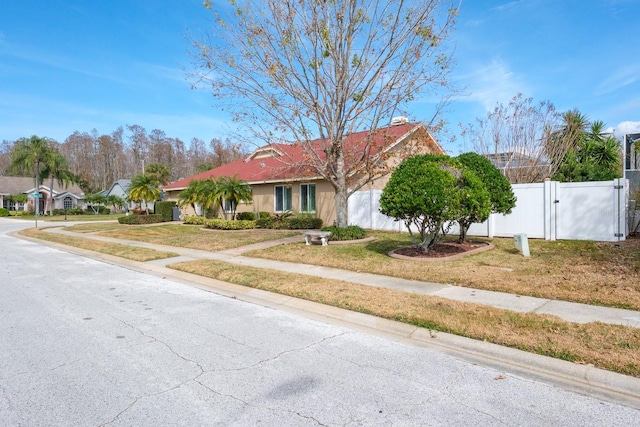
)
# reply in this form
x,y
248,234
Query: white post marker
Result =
x,y
522,243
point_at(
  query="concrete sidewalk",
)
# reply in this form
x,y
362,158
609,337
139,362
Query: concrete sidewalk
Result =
x,y
569,311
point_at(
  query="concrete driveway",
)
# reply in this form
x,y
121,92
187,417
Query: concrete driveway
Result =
x,y
88,343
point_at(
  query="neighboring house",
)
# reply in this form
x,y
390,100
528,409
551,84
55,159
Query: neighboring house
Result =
x,y
632,161
68,197
282,182
120,188
520,167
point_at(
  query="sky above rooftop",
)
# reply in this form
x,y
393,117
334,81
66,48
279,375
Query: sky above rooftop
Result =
x,y
70,66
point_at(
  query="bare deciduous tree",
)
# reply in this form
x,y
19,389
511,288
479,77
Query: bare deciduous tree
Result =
x,y
296,71
526,140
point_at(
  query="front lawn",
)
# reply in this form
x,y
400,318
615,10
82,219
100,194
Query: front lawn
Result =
x,y
580,271
185,236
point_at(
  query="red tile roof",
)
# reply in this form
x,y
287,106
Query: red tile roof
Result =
x,y
290,162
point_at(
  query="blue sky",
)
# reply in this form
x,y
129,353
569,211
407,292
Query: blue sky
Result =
x,y
79,65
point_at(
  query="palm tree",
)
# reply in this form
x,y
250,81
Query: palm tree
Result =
x,y
28,155
144,188
209,195
567,136
234,190
55,167
189,196
95,201
159,171
116,201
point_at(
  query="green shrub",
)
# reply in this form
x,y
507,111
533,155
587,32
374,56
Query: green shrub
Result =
x,y
4,212
18,213
303,222
75,211
226,224
263,215
140,219
352,232
246,216
195,220
97,210
165,209
264,223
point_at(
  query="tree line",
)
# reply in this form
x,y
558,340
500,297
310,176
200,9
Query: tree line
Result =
x,y
97,160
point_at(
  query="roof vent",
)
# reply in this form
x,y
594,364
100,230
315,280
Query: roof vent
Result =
x,y
400,120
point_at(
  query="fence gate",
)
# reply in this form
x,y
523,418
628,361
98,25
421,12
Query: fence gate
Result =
x,y
589,210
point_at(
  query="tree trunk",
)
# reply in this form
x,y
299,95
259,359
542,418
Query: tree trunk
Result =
x,y
342,208
51,197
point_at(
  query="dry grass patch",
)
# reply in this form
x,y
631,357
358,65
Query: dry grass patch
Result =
x,y
187,236
605,346
94,227
122,251
580,271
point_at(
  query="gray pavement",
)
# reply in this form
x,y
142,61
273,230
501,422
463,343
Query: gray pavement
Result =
x,y
582,379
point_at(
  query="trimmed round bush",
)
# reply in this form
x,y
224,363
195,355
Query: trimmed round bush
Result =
x,y
246,216
303,222
351,232
4,212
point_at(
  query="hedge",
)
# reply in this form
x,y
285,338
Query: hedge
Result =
x,y
165,209
4,212
303,222
227,224
246,216
195,220
140,219
352,232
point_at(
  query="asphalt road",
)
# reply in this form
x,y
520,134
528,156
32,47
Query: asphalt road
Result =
x,y
87,343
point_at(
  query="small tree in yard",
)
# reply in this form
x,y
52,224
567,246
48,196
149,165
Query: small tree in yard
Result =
x,y
144,188
95,201
500,192
116,201
424,193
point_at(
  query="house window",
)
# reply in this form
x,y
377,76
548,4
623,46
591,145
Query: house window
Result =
x,y
308,198
229,206
283,198
68,203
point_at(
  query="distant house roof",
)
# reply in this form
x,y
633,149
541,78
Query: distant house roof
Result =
x,y
24,184
123,183
15,184
511,159
287,162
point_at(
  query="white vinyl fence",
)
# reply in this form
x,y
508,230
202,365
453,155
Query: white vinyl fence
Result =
x,y
549,210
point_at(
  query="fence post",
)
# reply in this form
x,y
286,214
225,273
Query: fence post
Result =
x,y
548,199
620,201
490,225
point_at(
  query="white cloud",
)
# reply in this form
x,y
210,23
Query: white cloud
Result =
x,y
624,128
493,83
621,77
